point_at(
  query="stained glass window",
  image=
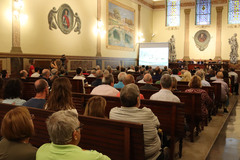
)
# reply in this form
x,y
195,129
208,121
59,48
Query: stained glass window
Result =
x,y
173,12
233,12
203,12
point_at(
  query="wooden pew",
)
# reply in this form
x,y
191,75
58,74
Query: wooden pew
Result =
x,y
77,85
170,115
90,79
32,79
28,90
116,139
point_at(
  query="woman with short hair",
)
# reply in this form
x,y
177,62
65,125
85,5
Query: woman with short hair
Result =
x,y
17,128
13,91
60,97
64,131
96,107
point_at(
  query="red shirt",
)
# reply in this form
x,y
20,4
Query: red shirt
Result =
x,y
141,96
30,70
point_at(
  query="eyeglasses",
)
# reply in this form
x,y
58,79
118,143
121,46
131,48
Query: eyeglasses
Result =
x,y
32,116
80,126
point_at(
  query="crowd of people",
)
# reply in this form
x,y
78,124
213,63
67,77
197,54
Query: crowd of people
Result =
x,y
54,92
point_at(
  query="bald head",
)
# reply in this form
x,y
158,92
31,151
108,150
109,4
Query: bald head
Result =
x,y
128,79
220,75
40,85
147,78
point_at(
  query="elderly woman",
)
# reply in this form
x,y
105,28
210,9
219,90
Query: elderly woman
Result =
x,y
61,96
12,92
195,87
17,128
64,131
96,107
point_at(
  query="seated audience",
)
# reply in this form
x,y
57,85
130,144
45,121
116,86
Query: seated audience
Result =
x,y
224,90
105,73
186,76
60,97
93,73
13,91
163,73
165,94
54,75
79,74
132,69
42,91
130,111
148,79
195,87
46,75
16,129
121,77
31,68
23,75
200,73
175,74
36,73
106,88
96,107
157,74
174,84
235,85
140,77
4,74
64,130
109,68
98,81
142,80
128,80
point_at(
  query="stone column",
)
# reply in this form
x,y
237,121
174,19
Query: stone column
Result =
x,y
186,40
98,35
218,33
16,47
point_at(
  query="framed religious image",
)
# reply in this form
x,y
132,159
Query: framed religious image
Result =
x,y
202,39
65,18
120,26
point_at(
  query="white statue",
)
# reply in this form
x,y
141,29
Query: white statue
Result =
x,y
172,52
234,48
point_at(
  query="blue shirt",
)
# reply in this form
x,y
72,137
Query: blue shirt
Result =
x,y
119,85
35,103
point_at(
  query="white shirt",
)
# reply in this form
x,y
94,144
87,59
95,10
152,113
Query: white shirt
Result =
x,y
233,74
141,81
152,143
105,90
79,77
165,95
14,101
35,74
205,83
177,77
91,75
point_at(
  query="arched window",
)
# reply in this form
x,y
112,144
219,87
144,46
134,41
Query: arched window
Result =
x,y
203,12
233,12
173,12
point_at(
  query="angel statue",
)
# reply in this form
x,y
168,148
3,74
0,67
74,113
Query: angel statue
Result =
x,y
78,23
51,16
234,48
172,52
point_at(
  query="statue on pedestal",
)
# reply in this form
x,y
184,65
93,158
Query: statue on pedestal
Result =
x,y
172,51
234,49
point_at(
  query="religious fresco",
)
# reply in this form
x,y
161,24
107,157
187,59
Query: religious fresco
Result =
x,y
202,39
120,26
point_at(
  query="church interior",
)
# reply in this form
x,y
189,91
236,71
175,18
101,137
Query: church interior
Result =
x,y
93,32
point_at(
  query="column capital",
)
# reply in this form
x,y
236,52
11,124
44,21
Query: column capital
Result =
x,y
187,11
219,9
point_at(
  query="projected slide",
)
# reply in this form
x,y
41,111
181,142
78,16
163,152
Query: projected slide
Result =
x,y
153,54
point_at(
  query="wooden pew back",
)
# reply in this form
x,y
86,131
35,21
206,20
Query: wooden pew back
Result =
x,y
116,139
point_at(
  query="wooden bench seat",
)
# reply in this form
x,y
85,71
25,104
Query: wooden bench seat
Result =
x,y
170,115
116,139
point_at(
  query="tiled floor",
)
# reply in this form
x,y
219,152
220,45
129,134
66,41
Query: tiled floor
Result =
x,y
199,149
227,145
